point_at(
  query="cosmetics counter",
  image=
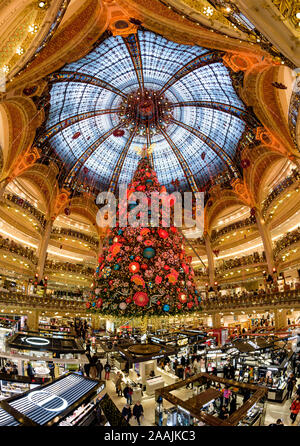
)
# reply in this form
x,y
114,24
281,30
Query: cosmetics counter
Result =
x,y
65,351
72,402
202,404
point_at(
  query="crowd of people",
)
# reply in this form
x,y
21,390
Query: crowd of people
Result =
x,y
78,235
16,248
69,267
215,234
288,181
241,261
27,207
287,240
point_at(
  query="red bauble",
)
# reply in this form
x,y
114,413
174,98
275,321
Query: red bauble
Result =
x,y
76,135
134,267
182,297
179,306
158,302
148,243
99,303
144,266
128,300
163,233
245,163
137,259
88,304
166,267
190,304
141,299
118,133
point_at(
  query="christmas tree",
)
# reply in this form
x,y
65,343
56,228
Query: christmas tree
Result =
x,y
144,270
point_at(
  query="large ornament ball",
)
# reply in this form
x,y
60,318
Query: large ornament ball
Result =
x,y
123,305
140,298
149,253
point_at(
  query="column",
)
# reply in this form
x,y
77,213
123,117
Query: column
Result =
x,y
42,250
280,319
210,260
3,185
216,320
267,241
33,320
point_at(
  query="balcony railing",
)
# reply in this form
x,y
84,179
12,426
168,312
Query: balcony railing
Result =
x,y
252,259
28,208
213,304
69,267
287,240
288,181
250,221
15,248
76,234
250,302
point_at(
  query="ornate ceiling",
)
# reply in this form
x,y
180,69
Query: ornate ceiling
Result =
x,y
140,89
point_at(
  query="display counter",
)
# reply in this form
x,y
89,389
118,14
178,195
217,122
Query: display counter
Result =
x,y
153,384
66,401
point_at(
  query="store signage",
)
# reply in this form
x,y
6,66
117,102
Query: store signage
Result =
x,y
100,388
36,341
253,344
156,357
41,398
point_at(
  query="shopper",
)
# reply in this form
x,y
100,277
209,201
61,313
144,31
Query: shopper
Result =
x,y
226,394
99,367
93,367
138,411
87,369
223,413
126,412
51,367
30,370
295,409
232,371
118,384
127,394
107,370
290,385
232,407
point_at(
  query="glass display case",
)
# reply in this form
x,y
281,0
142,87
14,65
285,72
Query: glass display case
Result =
x,y
254,416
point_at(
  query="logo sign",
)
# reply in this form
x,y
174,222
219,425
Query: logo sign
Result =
x,y
36,341
42,398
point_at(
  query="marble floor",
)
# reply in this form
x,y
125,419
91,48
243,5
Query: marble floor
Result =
x,y
273,410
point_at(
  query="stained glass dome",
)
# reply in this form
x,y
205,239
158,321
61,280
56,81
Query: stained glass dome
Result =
x,y
145,89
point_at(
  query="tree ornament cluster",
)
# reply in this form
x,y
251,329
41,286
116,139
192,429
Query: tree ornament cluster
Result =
x,y
144,270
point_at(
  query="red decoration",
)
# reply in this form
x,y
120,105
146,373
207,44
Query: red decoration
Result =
x,y
85,170
163,233
134,267
203,154
128,300
144,266
88,304
182,297
179,306
118,133
245,163
148,242
158,280
76,135
67,211
141,299
190,304
99,303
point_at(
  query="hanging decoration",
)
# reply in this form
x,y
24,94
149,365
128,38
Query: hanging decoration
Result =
x,y
118,133
76,135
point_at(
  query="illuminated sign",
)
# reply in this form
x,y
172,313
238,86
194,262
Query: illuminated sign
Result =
x,y
41,398
36,341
